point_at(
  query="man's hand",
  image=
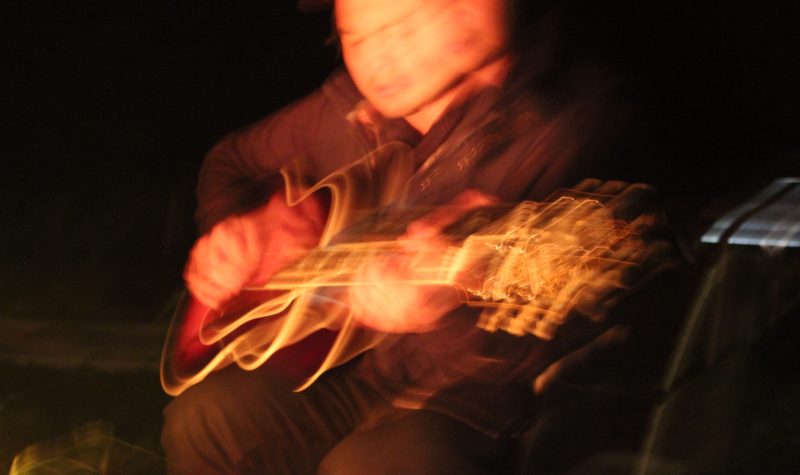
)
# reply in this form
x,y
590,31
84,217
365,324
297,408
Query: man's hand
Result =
x,y
388,300
248,249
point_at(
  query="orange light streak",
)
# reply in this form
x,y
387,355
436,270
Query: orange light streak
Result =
x,y
529,267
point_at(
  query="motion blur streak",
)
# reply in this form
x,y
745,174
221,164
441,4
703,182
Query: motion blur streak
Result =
x,y
529,267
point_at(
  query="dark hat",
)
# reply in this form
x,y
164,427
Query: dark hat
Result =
x,y
311,6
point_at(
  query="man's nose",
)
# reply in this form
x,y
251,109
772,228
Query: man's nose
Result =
x,y
383,58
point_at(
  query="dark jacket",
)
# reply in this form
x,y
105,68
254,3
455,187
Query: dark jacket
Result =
x,y
497,141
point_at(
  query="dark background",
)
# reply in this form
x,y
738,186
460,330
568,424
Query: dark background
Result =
x,y
110,109
109,106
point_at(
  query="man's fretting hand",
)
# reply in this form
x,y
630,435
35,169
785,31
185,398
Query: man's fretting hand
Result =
x,y
388,300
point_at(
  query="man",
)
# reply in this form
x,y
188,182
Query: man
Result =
x,y
444,397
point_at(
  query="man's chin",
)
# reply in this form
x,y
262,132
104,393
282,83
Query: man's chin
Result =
x,y
414,102
396,109
405,109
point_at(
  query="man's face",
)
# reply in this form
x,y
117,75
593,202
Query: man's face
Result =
x,y
403,54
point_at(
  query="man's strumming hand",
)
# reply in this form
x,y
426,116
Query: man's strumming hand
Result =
x,y
247,249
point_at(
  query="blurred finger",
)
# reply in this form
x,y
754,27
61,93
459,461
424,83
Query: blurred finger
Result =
x,y
436,221
587,185
611,187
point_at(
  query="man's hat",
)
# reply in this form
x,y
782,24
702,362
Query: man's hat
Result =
x,y
311,6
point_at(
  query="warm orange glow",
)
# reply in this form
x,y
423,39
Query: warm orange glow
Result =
x,y
528,266
91,448
411,58
552,259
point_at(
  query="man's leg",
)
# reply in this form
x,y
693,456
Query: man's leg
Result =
x,y
252,422
418,443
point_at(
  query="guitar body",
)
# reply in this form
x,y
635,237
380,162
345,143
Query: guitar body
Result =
x,y
302,332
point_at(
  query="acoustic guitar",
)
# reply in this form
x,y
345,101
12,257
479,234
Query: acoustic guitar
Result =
x,y
527,266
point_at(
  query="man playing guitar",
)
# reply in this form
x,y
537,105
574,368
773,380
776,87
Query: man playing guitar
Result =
x,y
441,395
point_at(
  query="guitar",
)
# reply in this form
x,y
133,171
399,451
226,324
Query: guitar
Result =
x,y
527,266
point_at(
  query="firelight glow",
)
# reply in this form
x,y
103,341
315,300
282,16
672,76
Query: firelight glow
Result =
x,y
528,267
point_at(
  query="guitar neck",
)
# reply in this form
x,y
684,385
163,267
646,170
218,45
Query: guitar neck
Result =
x,y
536,256
341,265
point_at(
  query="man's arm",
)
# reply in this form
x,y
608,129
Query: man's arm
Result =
x,y
241,212
241,171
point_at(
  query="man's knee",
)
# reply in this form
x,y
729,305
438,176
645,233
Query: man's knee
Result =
x,y
419,443
219,423
191,431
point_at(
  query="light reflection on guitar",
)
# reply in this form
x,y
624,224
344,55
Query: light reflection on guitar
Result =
x,y
528,266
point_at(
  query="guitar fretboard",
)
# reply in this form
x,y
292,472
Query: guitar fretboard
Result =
x,y
527,269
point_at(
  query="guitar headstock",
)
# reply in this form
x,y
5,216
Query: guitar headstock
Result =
x,y
542,262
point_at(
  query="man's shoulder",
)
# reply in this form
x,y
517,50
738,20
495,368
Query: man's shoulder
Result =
x,y
341,91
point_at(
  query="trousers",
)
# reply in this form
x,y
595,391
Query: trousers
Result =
x,y
251,422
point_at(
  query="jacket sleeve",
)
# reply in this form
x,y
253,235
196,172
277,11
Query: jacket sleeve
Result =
x,y
242,170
